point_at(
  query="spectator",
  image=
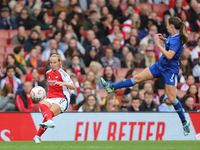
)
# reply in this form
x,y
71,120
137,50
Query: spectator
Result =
x,y
177,9
36,11
33,61
117,49
60,15
190,80
71,43
97,44
59,6
92,20
104,11
185,17
19,56
143,16
142,49
95,66
52,45
128,61
23,3
125,103
35,73
186,53
148,104
132,44
135,105
43,20
181,78
25,20
166,105
42,36
90,105
23,100
133,4
89,38
48,4
196,70
6,22
145,31
183,62
92,55
81,98
58,37
32,40
148,86
194,42
116,10
188,105
11,79
79,33
196,50
11,61
103,30
109,59
78,70
133,22
61,26
108,76
7,98
116,30
16,10
133,92
74,93
149,58
192,91
110,105
141,94
193,15
125,50
20,38
90,76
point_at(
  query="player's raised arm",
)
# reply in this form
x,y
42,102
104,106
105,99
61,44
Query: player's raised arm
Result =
x,y
71,86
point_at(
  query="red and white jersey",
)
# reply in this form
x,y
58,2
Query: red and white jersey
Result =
x,y
56,91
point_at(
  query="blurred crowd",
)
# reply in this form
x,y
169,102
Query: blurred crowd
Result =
x,y
113,39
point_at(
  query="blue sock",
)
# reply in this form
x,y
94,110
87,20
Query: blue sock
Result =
x,y
178,107
124,83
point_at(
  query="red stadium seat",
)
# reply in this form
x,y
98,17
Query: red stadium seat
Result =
x,y
121,71
28,69
119,78
161,92
147,4
139,70
2,49
102,93
9,48
179,85
181,93
198,85
74,106
120,92
41,70
4,34
3,42
36,107
28,32
159,7
70,108
80,78
197,106
12,33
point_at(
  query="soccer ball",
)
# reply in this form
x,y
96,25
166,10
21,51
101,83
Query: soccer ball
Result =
x,y
197,137
38,93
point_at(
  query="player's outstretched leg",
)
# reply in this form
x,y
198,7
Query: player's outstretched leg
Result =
x,y
122,84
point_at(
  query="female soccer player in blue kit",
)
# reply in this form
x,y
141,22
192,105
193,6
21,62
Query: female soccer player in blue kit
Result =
x,y
167,67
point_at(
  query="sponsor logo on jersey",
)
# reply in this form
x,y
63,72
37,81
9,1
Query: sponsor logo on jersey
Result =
x,y
56,76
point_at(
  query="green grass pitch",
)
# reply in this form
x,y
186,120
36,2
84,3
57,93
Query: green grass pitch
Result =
x,y
102,145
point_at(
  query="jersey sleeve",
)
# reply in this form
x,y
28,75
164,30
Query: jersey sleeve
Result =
x,y
174,44
65,77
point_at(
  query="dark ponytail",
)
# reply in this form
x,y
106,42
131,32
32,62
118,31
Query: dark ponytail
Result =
x,y
179,25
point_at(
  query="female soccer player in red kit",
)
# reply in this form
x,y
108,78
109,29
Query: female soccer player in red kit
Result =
x,y
58,99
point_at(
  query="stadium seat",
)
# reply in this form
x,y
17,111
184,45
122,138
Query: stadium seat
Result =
x,y
3,42
102,93
120,92
181,93
70,108
41,70
80,78
2,49
191,37
160,7
9,48
120,100
12,33
36,107
179,85
119,78
139,70
121,71
197,106
161,92
28,32
147,4
28,69
198,85
74,106
4,34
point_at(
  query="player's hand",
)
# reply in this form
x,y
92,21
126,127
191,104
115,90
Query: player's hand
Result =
x,y
157,39
60,83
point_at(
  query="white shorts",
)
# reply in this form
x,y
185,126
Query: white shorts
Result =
x,y
62,102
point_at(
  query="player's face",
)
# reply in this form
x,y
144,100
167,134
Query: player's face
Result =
x,y
168,27
91,100
54,63
148,99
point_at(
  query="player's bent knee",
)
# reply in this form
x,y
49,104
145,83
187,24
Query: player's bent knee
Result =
x,y
171,98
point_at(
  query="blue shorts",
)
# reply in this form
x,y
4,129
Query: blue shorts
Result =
x,y
168,78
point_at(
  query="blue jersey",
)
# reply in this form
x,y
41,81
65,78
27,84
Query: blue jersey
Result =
x,y
171,66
